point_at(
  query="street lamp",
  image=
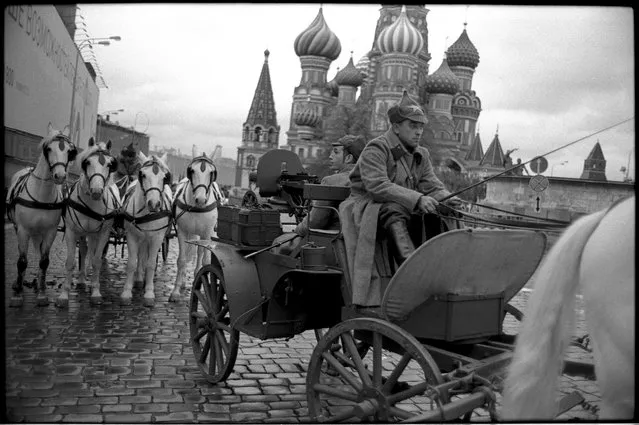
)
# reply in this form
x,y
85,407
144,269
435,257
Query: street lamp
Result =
x,y
87,42
552,169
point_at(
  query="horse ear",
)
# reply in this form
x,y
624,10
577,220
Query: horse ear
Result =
x,y
108,145
66,131
143,158
165,157
91,141
49,128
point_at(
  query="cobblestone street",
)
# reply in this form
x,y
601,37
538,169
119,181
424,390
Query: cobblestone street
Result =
x,y
131,364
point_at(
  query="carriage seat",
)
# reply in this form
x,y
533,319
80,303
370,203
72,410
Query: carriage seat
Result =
x,y
459,266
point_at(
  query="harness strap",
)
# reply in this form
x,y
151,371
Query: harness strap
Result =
x,y
89,212
39,205
193,208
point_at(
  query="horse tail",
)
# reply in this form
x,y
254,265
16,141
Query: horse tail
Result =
x,y
530,387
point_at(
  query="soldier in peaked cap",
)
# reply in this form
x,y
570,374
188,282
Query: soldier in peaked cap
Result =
x,y
344,155
392,185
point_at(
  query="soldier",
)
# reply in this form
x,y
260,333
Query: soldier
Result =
x,y
343,157
392,184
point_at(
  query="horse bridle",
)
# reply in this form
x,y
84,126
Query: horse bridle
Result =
x,y
203,159
62,139
101,153
156,169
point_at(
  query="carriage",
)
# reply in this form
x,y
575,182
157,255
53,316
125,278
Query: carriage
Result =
x,y
436,349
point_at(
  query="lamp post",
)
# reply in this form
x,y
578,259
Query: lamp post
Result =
x,y
88,42
105,113
552,169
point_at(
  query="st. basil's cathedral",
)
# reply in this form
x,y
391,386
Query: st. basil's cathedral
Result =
x,y
398,60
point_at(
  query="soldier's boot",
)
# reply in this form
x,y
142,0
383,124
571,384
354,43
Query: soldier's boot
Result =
x,y
404,246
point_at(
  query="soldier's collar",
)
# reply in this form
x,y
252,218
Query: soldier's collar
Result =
x,y
398,149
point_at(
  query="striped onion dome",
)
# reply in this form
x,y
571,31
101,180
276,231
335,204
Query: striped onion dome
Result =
x,y
362,64
318,40
463,52
400,37
307,116
443,80
349,76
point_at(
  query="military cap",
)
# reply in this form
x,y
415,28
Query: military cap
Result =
x,y
352,144
406,109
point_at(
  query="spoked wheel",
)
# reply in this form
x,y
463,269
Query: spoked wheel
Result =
x,y
214,342
387,382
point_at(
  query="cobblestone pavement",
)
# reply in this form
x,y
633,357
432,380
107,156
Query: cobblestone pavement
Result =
x,y
131,364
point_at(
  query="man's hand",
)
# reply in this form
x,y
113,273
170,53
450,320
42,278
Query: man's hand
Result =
x,y
454,202
427,204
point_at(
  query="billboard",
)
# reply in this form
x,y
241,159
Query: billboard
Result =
x,y
41,64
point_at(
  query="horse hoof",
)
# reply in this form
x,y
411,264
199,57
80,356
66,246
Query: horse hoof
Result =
x,y
96,300
148,302
62,303
42,301
175,298
15,302
125,301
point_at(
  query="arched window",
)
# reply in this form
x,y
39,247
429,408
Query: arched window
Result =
x,y
250,161
258,133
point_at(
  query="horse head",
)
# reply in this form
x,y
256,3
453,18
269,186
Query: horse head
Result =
x,y
153,175
201,173
98,164
58,151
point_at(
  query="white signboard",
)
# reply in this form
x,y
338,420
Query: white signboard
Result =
x,y
39,69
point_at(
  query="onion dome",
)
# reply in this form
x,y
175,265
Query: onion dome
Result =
x,y
362,64
443,80
349,76
318,40
400,37
306,117
463,52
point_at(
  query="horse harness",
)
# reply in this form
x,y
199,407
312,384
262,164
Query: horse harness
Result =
x,y
152,216
83,208
15,199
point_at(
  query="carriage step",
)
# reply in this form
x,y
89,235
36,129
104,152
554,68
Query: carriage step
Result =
x,y
569,401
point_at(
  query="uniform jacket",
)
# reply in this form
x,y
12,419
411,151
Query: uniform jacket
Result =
x,y
385,172
322,218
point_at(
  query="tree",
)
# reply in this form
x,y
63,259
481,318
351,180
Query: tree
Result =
x,y
455,181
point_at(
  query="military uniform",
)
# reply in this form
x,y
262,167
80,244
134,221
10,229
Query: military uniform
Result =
x,y
386,186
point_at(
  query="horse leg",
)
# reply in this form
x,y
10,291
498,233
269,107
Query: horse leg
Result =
x,y
96,244
45,248
153,248
23,248
133,247
142,249
71,238
176,295
82,260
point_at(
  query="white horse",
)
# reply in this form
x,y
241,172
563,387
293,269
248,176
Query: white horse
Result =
x,y
92,204
146,208
597,254
195,210
35,204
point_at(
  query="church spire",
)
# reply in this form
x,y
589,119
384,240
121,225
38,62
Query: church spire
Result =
x,y
262,110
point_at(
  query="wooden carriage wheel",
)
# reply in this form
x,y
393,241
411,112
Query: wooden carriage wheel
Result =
x,y
214,342
366,386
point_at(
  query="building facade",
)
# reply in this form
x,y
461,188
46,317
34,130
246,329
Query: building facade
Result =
x,y
120,136
46,81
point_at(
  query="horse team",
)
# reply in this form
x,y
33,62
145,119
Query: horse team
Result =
x,y
36,202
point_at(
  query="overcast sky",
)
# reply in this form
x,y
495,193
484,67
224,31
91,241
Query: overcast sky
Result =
x,y
547,76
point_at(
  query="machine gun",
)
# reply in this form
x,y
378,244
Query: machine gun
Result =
x,y
281,178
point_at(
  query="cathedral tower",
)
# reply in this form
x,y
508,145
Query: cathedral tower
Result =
x,y
260,132
317,46
595,165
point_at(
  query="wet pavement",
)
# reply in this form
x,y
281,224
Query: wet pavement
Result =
x,y
130,364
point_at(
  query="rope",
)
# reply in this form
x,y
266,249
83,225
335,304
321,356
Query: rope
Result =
x,y
550,220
